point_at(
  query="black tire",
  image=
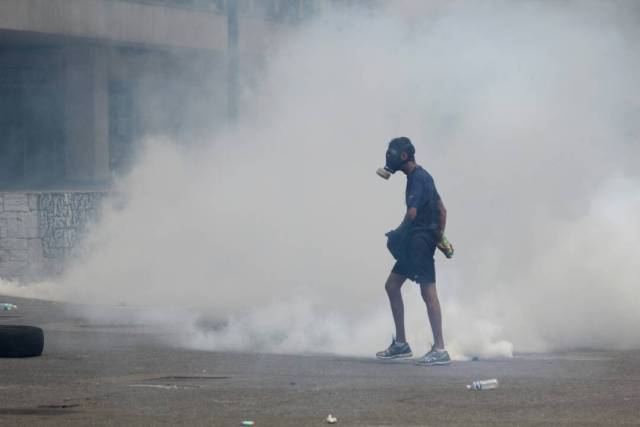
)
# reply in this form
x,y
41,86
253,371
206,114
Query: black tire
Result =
x,y
21,341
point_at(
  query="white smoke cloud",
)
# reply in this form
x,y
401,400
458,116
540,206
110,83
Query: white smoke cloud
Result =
x,y
524,112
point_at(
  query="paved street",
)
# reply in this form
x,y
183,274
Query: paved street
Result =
x,y
123,375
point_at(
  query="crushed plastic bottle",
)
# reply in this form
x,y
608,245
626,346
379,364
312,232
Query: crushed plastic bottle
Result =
x,y
445,247
7,306
483,385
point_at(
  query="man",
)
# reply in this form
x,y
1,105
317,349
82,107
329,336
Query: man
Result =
x,y
413,245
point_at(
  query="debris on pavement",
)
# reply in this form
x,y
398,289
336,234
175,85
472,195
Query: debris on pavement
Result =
x,y
7,306
248,423
331,419
483,385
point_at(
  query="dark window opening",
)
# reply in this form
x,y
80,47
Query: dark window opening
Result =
x,y
31,120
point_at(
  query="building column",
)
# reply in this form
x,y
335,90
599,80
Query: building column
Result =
x,y
86,80
232,59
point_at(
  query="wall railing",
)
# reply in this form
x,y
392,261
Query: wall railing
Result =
x,y
284,11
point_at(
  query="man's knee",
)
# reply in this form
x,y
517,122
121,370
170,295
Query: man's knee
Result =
x,y
393,284
429,293
391,287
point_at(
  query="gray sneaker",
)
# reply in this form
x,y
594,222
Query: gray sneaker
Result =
x,y
434,357
395,351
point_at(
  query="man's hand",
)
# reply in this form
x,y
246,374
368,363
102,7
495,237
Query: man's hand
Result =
x,y
445,246
406,222
394,243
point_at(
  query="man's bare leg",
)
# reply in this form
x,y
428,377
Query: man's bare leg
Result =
x,y
393,286
430,297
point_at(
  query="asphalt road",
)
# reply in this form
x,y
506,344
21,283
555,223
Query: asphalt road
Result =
x,y
93,374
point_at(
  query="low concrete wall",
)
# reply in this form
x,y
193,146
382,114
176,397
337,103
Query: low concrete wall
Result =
x,y
39,232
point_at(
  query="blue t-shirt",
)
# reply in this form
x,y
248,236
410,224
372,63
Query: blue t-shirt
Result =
x,y
421,193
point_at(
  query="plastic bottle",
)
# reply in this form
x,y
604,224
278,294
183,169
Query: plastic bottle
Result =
x,y
483,385
445,247
7,307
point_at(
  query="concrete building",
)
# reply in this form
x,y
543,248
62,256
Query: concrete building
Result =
x,y
81,81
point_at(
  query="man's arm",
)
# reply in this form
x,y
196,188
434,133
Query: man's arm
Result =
x,y
443,217
409,217
411,214
414,199
406,222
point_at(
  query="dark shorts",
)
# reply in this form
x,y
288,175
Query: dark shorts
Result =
x,y
416,261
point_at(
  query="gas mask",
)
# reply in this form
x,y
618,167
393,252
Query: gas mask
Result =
x,y
394,161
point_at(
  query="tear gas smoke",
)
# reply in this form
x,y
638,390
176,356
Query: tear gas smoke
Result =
x,y
525,113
